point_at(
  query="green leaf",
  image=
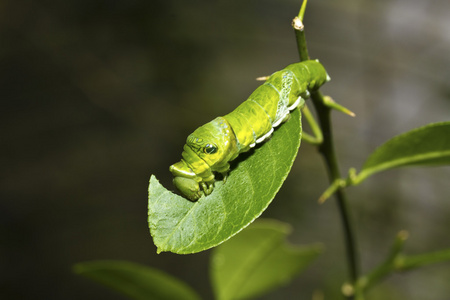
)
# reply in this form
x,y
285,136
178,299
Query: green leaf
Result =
x,y
181,226
428,145
257,260
136,281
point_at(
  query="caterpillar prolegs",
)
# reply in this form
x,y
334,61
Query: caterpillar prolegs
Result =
x,y
212,146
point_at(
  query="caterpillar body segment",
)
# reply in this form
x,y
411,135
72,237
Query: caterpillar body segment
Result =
x,y
212,146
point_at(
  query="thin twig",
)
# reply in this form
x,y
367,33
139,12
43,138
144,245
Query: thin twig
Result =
x,y
326,148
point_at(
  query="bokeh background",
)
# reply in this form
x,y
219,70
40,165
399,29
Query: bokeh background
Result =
x,y
98,95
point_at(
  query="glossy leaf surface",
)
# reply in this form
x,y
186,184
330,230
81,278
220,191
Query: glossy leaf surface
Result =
x,y
181,226
136,281
428,145
257,260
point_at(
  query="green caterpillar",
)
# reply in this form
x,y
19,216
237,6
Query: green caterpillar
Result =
x,y
210,148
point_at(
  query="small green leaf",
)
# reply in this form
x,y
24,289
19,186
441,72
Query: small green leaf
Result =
x,y
428,145
181,226
257,260
136,281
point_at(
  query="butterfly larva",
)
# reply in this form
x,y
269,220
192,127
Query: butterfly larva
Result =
x,y
210,148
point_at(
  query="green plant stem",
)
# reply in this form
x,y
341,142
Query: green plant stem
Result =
x,y
297,23
388,266
301,39
316,138
329,155
301,13
326,148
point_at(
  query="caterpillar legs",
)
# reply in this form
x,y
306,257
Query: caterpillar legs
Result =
x,y
192,189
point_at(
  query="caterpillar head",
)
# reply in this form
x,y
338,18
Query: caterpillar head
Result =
x,y
206,150
212,143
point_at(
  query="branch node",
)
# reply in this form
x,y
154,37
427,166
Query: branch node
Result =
x,y
298,24
347,289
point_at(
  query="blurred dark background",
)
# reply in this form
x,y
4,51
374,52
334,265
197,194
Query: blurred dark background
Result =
x,y
98,95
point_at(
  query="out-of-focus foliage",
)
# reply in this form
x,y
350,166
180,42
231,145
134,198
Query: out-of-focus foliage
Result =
x,y
136,281
258,260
